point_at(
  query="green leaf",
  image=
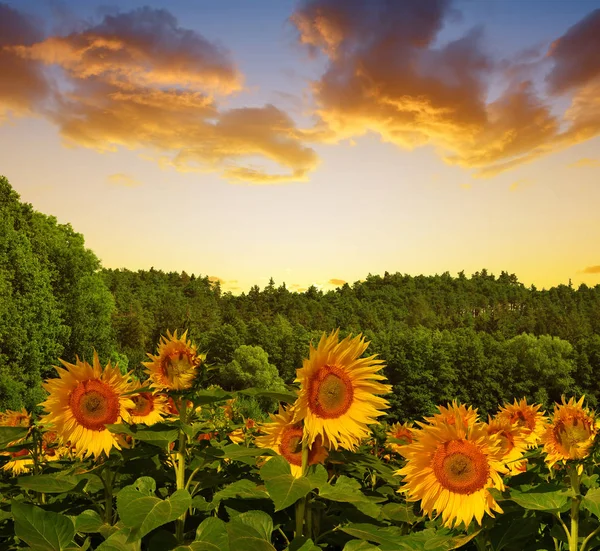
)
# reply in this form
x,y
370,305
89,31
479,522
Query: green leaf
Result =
x,y
88,522
119,541
245,537
143,512
347,490
241,489
211,535
241,453
48,483
259,521
42,530
541,498
283,487
509,534
360,545
304,544
401,512
390,538
11,434
372,533
591,501
160,434
202,397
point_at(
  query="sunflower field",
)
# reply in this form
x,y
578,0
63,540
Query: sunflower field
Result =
x,y
170,463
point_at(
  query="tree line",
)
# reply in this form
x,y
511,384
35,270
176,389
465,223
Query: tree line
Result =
x,y
482,339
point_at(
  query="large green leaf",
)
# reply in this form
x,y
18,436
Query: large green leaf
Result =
x,y
48,483
347,490
284,488
245,535
542,498
119,541
241,453
401,512
517,530
591,501
11,434
259,521
303,544
390,538
241,489
88,522
374,534
211,535
160,434
42,530
202,397
140,510
360,545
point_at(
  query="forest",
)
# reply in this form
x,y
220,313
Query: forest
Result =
x,y
482,339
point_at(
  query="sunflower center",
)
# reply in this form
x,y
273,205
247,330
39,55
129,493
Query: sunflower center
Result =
x,y
144,404
460,467
94,404
330,392
571,435
176,364
290,446
523,420
404,435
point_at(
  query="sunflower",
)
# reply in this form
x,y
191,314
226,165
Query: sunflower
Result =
x,y
83,400
528,418
571,433
149,408
21,460
450,469
285,437
403,432
337,398
454,413
175,366
513,441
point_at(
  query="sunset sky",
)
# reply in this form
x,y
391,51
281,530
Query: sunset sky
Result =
x,y
314,142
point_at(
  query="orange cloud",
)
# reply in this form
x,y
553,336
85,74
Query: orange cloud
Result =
x,y
215,279
386,74
123,180
144,47
585,163
592,270
23,85
336,282
139,81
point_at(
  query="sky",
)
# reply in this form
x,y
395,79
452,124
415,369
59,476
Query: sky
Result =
x,y
312,141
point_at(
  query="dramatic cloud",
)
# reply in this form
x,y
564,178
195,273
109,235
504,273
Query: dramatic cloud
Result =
x,y
575,55
337,282
138,80
387,74
123,180
23,85
592,270
142,48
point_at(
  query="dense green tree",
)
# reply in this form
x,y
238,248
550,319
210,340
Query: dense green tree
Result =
x,y
250,367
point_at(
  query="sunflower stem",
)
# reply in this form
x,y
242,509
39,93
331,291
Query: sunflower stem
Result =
x,y
302,503
107,482
575,503
180,468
